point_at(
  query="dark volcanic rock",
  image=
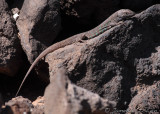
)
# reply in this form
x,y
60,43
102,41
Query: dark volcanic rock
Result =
x,y
89,10
62,97
16,4
1,102
10,2
10,50
137,5
117,64
38,23
80,15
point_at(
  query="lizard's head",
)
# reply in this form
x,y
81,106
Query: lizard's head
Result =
x,y
125,13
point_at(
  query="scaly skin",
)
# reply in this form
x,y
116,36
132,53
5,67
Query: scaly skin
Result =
x,y
113,20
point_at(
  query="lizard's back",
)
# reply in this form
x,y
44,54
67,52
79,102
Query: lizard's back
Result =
x,y
116,17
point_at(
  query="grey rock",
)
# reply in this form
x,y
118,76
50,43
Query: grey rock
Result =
x,y
38,23
147,100
20,105
117,64
10,49
63,97
38,106
15,10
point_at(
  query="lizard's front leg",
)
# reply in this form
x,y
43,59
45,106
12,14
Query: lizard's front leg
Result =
x,y
83,38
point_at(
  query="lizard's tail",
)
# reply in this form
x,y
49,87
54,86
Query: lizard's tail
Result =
x,y
45,52
31,67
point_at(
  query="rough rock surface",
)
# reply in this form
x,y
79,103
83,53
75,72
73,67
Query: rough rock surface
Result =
x,y
89,10
62,97
120,65
38,24
116,63
147,100
82,15
10,50
38,105
20,105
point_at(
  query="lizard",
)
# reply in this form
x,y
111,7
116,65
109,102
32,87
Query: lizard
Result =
x,y
113,20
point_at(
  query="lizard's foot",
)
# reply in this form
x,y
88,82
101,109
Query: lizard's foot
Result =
x,y
81,39
84,37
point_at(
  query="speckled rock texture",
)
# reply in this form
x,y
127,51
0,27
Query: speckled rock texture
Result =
x,y
10,49
117,71
117,64
63,97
